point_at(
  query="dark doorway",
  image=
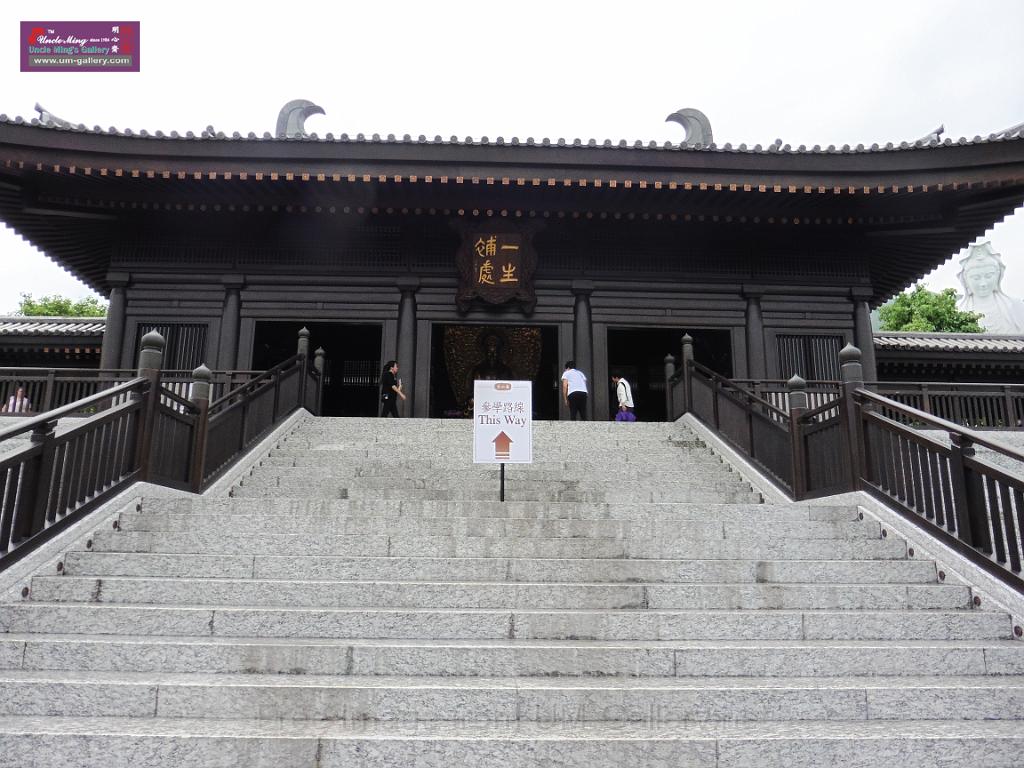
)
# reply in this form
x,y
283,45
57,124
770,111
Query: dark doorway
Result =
x,y
461,353
639,356
352,364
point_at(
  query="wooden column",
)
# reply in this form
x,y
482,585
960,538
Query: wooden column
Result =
x,y
113,335
756,363
583,338
227,352
405,342
864,338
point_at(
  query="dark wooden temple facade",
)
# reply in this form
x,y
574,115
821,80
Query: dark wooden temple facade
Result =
x,y
771,258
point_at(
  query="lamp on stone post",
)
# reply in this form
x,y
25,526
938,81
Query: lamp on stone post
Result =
x,y
200,398
797,392
151,359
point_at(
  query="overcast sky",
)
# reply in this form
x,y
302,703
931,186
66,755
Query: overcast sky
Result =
x,y
806,72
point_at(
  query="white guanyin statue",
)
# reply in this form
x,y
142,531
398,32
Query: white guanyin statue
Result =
x,y
981,275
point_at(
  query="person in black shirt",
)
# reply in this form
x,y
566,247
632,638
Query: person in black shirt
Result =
x,y
390,389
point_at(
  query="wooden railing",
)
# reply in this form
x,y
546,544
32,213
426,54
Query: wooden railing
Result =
x,y
753,426
973,505
866,440
240,418
45,389
59,477
775,391
139,430
979,406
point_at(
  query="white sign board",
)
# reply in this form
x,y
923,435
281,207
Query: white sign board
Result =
x,y
502,422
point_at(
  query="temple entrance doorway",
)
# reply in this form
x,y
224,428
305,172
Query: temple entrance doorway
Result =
x,y
352,365
459,354
639,356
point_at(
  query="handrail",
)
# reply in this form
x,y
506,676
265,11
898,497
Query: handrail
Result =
x,y
732,385
267,374
943,424
984,386
178,399
782,382
831,405
68,410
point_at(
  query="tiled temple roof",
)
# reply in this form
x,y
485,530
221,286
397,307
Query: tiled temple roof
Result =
x,y
912,341
1015,133
52,326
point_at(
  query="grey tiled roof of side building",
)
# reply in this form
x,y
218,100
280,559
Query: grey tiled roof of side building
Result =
x,y
909,341
51,326
1012,134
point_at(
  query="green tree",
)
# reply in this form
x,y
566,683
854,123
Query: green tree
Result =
x,y
61,306
924,310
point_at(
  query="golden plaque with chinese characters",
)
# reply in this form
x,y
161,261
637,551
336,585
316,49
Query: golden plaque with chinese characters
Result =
x,y
496,264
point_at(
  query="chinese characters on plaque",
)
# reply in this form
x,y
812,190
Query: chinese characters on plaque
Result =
x,y
495,265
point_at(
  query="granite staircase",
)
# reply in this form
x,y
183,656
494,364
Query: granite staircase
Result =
x,y
363,599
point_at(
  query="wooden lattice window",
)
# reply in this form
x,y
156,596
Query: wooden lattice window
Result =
x,y
185,347
810,356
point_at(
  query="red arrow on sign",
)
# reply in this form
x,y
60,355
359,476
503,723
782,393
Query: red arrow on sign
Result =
x,y
501,446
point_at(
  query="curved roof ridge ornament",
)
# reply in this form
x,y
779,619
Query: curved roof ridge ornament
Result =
x,y
696,125
291,120
935,135
50,119
1009,133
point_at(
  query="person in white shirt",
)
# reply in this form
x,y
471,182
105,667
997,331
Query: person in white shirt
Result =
x,y
574,391
624,394
18,403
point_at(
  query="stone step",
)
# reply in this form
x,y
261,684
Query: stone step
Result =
x,y
369,594
602,430
467,624
498,526
494,699
683,495
371,474
31,742
641,456
591,570
606,443
412,545
522,658
308,482
288,508
313,459
596,430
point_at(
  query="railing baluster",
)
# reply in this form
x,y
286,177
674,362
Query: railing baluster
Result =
x,y
924,462
996,514
43,437
958,482
10,492
51,380
1014,520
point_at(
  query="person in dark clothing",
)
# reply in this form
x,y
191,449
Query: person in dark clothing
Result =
x,y
390,389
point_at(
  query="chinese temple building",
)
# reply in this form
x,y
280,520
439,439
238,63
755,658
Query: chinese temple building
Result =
x,y
499,257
